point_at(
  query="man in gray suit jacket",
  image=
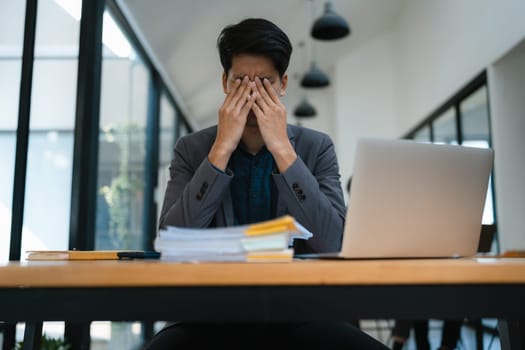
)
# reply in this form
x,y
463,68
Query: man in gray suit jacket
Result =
x,y
253,166
198,193
254,156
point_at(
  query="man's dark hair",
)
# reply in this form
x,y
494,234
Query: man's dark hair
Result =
x,y
255,36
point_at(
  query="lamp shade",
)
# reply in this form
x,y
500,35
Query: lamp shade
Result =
x,y
304,110
315,78
330,25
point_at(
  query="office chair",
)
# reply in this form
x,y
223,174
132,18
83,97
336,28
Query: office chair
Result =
x,y
486,238
451,328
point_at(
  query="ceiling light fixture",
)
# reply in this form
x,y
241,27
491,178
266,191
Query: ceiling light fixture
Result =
x,y
304,110
330,25
315,78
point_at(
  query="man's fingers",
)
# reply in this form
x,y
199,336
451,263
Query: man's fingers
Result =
x,y
262,91
271,91
249,104
244,97
233,90
261,100
240,90
257,110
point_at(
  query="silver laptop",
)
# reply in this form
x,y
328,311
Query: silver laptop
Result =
x,y
415,200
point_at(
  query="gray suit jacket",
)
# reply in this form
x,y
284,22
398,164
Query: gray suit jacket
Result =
x,y
198,195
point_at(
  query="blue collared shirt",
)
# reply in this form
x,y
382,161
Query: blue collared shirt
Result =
x,y
252,188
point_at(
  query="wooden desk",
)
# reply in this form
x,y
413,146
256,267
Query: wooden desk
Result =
x,y
302,290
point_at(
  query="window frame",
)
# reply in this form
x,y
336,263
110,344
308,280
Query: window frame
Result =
x,y
454,102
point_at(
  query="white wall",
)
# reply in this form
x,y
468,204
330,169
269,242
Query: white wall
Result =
x,y
507,93
441,45
364,99
433,49
323,101
385,88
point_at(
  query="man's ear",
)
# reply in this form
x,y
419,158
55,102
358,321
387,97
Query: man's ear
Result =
x,y
284,84
225,82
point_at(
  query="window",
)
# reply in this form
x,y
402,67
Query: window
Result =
x,y
475,119
423,134
121,165
445,128
122,147
50,150
11,40
168,118
126,76
183,129
476,133
465,120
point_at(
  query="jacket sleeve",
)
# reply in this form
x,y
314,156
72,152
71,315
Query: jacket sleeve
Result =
x,y
194,192
315,199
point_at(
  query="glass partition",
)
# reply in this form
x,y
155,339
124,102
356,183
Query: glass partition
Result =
x,y
423,134
50,150
476,133
475,119
11,40
122,145
466,120
168,119
122,154
444,127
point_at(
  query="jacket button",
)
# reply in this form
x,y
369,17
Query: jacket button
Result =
x,y
295,185
205,185
199,196
303,197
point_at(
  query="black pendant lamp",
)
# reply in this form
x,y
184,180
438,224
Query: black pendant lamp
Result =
x,y
304,110
330,25
315,78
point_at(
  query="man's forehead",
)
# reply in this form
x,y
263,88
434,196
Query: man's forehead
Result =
x,y
252,66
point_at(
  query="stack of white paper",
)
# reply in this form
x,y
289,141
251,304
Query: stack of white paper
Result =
x,y
265,241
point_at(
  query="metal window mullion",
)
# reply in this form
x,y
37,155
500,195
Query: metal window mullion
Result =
x,y
152,161
458,120
85,153
22,132
493,175
22,142
178,124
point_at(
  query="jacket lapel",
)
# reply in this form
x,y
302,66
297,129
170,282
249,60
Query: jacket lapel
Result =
x,y
281,207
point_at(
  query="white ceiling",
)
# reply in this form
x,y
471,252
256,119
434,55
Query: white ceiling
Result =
x,y
182,35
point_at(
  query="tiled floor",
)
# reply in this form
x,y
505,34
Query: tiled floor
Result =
x,y
380,329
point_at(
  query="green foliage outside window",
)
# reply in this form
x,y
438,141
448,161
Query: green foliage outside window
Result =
x,y
123,187
48,344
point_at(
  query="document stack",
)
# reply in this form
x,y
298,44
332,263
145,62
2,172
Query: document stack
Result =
x,y
267,241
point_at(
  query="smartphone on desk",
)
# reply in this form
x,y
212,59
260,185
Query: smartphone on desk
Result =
x,y
139,254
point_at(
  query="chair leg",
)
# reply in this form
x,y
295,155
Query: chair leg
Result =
x,y
421,334
9,336
478,328
32,335
512,334
78,335
451,333
147,331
